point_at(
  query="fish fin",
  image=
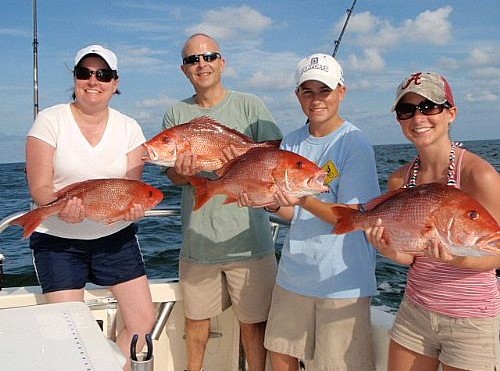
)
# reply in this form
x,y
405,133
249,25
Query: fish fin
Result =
x,y
344,215
29,221
271,143
380,199
212,121
238,159
201,194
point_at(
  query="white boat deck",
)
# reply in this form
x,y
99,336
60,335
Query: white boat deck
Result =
x,y
223,351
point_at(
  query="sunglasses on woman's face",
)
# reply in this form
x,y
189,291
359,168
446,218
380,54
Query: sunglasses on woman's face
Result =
x,y
405,111
102,75
195,58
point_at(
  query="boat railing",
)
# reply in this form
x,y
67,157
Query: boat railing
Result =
x,y
275,224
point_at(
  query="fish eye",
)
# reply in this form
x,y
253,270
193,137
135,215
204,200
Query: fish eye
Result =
x,y
300,165
473,215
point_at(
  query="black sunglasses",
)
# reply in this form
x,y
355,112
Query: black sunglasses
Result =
x,y
405,111
102,75
195,58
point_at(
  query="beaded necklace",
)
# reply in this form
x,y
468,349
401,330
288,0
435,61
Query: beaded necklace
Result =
x,y
451,176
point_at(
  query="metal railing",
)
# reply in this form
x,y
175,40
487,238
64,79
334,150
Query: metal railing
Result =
x,y
275,223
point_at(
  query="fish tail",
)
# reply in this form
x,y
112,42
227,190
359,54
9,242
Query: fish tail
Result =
x,y
344,217
201,194
29,221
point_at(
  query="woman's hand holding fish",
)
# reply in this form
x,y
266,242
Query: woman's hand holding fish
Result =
x,y
73,211
374,235
438,251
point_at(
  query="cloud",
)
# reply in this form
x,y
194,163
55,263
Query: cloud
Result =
x,y
427,27
488,73
241,23
15,32
371,61
361,23
271,81
483,56
162,101
377,35
448,64
481,96
273,72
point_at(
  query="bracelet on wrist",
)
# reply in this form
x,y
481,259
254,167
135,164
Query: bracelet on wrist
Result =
x,y
271,210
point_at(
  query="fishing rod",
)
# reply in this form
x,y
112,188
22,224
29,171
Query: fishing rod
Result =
x,y
35,61
337,42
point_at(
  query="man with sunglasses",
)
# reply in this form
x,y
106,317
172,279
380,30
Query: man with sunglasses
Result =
x,y
227,257
77,141
450,314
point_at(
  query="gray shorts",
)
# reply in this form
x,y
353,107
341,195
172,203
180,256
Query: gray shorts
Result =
x,y
466,343
209,289
331,334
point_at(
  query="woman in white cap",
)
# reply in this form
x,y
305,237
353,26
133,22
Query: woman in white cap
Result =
x,y
73,142
450,312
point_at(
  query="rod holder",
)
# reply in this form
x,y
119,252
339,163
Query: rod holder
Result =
x,y
161,320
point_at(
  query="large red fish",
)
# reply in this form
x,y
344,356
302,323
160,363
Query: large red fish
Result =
x,y
105,201
203,137
260,172
413,217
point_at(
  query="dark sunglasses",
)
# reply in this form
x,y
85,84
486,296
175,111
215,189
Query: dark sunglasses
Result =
x,y
405,111
195,58
102,75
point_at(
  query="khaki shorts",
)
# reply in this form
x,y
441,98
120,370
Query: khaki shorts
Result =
x,y
466,343
331,334
209,289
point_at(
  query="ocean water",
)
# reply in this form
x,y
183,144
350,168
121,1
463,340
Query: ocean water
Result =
x,y
160,237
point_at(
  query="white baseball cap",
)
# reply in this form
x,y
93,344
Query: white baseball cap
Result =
x,y
106,54
320,67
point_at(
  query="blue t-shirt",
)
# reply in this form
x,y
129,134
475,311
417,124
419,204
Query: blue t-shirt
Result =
x,y
314,261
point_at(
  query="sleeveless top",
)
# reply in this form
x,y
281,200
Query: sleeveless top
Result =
x,y
444,288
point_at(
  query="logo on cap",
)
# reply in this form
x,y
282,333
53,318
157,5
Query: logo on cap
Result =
x,y
415,78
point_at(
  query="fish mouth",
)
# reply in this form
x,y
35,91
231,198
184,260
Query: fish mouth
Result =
x,y
490,243
154,157
151,153
315,183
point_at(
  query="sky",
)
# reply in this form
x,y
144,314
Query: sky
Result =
x,y
262,42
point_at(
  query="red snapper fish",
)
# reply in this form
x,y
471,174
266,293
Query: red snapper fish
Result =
x,y
413,217
202,136
105,201
260,172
